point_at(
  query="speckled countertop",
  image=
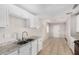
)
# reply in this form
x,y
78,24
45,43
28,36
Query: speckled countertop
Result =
x,y
10,47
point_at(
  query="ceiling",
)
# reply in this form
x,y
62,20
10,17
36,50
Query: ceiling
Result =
x,y
46,9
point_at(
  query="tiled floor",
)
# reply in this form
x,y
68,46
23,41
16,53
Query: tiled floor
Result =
x,y
55,46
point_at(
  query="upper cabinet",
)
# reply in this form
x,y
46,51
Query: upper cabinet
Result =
x,y
17,11
30,20
34,22
3,16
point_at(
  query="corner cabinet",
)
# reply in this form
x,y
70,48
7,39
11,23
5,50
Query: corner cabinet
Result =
x,y
3,16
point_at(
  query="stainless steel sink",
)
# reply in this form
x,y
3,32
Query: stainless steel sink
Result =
x,y
29,39
26,41
21,42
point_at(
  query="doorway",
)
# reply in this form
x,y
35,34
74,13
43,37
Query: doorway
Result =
x,y
56,30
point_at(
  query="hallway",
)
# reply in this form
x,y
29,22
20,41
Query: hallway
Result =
x,y
55,47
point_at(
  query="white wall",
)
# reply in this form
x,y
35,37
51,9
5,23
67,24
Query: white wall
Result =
x,y
57,30
77,23
73,24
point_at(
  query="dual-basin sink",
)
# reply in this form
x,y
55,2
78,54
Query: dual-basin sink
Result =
x,y
25,41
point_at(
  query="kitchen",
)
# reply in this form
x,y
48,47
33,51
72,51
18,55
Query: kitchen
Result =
x,y
26,29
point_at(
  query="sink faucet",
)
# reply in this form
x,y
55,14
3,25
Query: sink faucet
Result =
x,y
23,35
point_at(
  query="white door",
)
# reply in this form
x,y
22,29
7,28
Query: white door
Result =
x,y
56,31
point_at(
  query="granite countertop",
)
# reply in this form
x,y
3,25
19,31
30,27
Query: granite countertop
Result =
x,y
11,46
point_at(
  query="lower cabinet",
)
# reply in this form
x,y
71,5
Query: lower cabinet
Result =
x,y
40,44
34,47
31,48
25,50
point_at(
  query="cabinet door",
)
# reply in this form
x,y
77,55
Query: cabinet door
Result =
x,y
3,16
34,22
25,50
34,47
27,23
40,44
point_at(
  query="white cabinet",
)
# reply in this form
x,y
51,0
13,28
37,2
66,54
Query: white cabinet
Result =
x,y
25,50
14,53
31,48
18,12
34,47
27,23
40,44
34,22
3,16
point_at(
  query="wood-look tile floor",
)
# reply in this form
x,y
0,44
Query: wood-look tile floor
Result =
x,y
55,46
